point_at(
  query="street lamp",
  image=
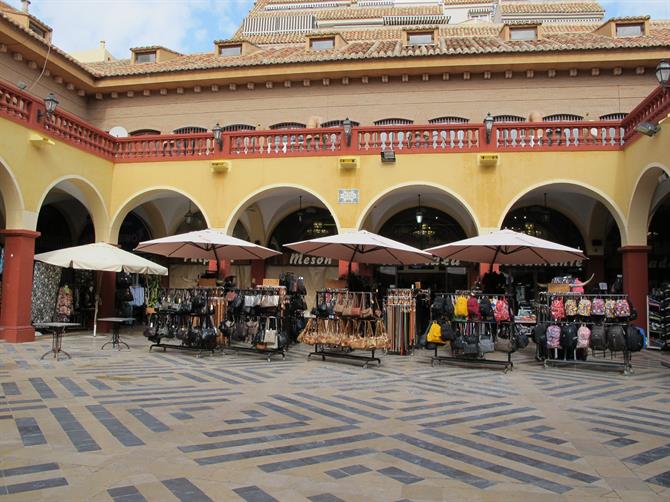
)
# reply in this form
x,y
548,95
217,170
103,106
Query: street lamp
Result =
x,y
217,130
488,126
419,213
50,105
346,124
663,74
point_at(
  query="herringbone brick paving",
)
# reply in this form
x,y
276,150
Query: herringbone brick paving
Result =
x,y
134,426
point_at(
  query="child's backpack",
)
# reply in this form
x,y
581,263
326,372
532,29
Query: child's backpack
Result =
x,y
461,307
501,312
569,338
616,338
553,337
571,307
597,340
473,308
598,307
610,309
583,337
584,307
557,309
634,339
486,309
622,308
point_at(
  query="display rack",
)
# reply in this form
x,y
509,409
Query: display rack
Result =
x,y
477,327
342,353
175,318
400,319
544,315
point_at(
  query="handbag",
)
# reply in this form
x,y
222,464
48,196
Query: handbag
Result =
x,y
486,344
231,296
269,301
270,337
356,305
240,332
252,328
250,300
366,310
348,305
339,305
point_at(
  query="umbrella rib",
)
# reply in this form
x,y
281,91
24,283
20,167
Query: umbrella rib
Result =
x,y
538,255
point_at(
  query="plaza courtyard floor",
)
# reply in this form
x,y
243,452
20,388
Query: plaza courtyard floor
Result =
x,y
133,426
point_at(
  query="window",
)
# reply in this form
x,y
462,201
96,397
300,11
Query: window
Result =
x,y
523,34
190,130
230,50
449,120
287,125
393,121
145,57
238,127
563,117
34,27
338,123
420,38
629,30
614,116
145,132
508,118
321,44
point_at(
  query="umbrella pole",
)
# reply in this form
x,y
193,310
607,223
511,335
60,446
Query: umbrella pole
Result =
x,y
97,302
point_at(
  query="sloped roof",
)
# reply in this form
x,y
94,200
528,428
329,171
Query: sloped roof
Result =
x,y
551,8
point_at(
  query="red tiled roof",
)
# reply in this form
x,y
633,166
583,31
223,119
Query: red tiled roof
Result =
x,y
551,8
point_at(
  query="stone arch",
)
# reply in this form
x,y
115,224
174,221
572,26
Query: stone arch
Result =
x,y
640,209
143,197
278,190
405,194
577,188
88,195
13,205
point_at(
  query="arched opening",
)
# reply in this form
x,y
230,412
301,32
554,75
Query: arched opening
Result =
x,y
569,215
443,218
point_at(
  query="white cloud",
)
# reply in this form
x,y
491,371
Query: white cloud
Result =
x,y
183,25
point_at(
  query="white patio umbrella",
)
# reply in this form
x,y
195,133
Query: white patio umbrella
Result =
x,y
209,244
362,247
506,247
100,257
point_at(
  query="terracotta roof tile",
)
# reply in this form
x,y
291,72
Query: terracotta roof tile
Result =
x,y
551,8
354,12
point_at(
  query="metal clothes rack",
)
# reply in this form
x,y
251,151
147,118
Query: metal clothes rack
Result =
x,y
460,326
323,353
199,350
544,315
400,320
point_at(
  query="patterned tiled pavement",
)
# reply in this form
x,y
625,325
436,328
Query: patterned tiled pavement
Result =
x,y
132,426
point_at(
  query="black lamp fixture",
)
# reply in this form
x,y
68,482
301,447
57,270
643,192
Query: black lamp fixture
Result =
x,y
647,128
188,217
300,209
663,74
346,125
50,105
388,156
488,127
217,130
419,212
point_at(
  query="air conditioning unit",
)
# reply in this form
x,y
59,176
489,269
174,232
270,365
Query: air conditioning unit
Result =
x,y
348,162
221,166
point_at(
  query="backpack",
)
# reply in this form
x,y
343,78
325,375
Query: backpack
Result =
x,y
540,334
584,307
597,340
616,339
610,309
437,307
569,337
485,309
448,332
553,337
583,337
520,340
461,307
473,308
621,308
598,307
448,307
634,339
557,309
571,307
434,333
501,312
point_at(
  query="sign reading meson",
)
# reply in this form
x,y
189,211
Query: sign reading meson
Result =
x,y
299,259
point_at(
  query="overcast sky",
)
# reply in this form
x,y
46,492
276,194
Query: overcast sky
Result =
x,y
191,25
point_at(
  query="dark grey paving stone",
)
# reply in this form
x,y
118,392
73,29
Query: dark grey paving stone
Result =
x,y
72,387
337,474
114,426
482,416
352,470
350,409
42,388
248,430
254,413
126,494
620,442
194,377
316,459
662,479
445,470
28,469
185,491
635,397
404,477
36,485
528,446
539,428
235,421
31,434
180,415
151,422
649,456
609,432
367,403
325,497
197,408
79,436
10,389
98,384
254,494
548,439
316,409
285,411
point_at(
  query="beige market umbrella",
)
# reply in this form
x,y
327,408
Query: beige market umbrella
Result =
x,y
100,257
362,247
506,247
206,244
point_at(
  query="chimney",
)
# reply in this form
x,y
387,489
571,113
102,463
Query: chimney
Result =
x,y
102,44
25,6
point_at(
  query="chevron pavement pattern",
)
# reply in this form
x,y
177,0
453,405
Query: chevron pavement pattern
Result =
x,y
133,426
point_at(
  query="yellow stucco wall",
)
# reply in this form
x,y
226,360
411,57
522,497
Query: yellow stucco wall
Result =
x,y
484,194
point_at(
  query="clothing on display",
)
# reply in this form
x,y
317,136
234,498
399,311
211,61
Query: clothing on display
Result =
x,y
400,318
64,304
46,279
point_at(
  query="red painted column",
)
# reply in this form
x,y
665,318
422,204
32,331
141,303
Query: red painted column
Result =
x,y
257,272
107,300
17,286
636,279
